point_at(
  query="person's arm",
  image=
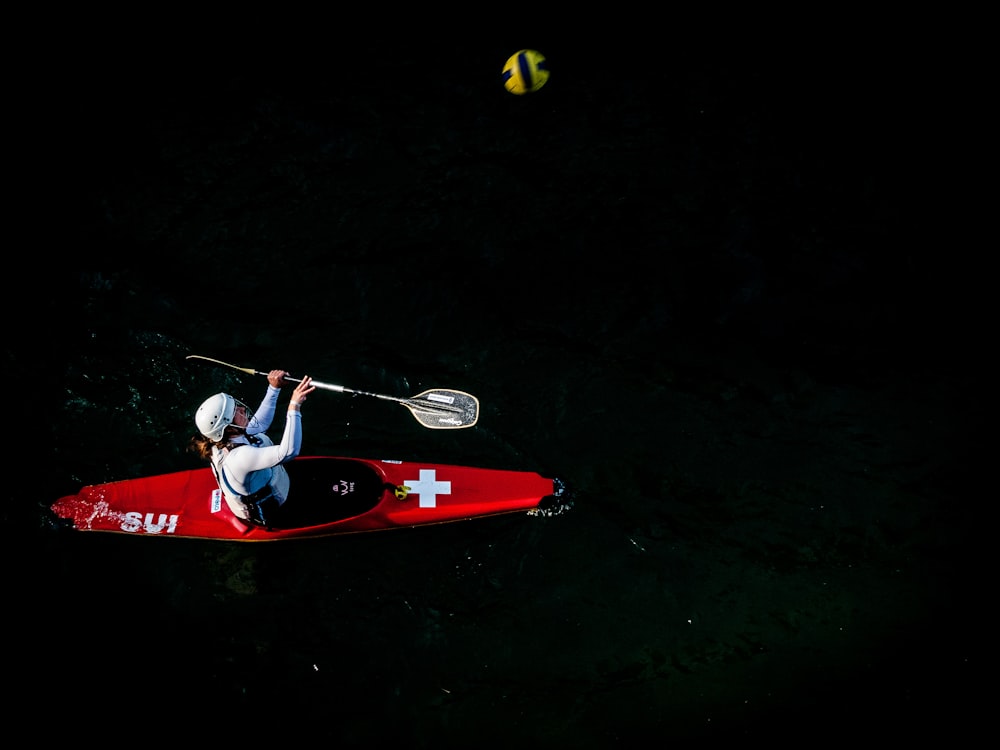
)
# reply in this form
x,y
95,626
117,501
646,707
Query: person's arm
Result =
x,y
264,415
245,459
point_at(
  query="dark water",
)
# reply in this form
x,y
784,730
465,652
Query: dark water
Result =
x,y
691,292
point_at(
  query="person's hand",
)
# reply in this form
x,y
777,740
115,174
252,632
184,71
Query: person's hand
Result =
x,y
302,390
277,378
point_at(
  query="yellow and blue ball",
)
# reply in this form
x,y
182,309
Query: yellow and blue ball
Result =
x,y
525,71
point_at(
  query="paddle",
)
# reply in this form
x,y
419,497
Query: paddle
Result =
x,y
437,408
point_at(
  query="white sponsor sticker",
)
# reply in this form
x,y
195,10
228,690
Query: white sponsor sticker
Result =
x,y
441,398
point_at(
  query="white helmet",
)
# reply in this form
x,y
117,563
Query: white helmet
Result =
x,y
215,415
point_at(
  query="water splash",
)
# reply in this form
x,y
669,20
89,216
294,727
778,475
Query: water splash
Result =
x,y
559,502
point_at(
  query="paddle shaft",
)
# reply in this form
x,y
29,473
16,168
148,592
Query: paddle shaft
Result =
x,y
342,389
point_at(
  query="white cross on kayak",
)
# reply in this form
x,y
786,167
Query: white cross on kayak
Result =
x,y
428,487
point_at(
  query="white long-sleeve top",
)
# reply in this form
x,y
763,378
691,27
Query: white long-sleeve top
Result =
x,y
249,466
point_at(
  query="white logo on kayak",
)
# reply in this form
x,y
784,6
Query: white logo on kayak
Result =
x,y
428,487
164,524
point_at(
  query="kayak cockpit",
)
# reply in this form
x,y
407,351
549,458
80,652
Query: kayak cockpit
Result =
x,y
326,490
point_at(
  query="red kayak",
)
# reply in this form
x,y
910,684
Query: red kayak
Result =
x,y
329,495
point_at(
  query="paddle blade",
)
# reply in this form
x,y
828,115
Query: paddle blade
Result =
x,y
444,409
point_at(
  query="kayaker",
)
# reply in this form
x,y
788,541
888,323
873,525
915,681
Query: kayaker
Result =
x,y
247,463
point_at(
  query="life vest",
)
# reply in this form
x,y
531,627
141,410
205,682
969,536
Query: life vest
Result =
x,y
260,505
